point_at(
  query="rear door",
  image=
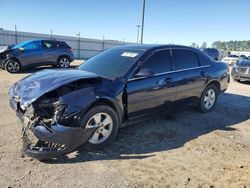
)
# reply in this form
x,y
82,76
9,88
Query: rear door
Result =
x,y
154,93
50,51
191,76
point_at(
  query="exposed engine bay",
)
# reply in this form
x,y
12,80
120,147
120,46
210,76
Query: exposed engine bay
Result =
x,y
51,118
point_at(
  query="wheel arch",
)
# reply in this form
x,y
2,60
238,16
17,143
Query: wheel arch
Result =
x,y
216,83
12,58
63,55
109,102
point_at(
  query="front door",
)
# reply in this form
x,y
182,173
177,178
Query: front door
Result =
x,y
31,54
154,93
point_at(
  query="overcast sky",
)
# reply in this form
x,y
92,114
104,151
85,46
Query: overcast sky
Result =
x,y
166,21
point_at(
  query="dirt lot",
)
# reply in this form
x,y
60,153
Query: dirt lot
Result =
x,y
189,149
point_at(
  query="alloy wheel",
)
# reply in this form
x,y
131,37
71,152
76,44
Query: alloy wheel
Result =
x,y
13,66
64,62
104,124
209,99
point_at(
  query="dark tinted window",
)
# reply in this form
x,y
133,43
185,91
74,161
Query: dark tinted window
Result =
x,y
159,62
233,56
203,59
47,44
184,59
54,44
213,50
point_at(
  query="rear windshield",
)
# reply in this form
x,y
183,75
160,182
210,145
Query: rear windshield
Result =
x,y
232,56
213,51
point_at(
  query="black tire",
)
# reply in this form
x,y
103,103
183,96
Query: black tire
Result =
x,y
12,66
205,99
115,124
63,62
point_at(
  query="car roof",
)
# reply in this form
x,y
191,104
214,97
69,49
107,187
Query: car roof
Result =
x,y
146,47
45,40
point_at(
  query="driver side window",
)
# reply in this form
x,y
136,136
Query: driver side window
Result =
x,y
33,45
159,62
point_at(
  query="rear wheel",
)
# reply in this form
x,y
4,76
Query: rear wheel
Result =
x,y
105,120
63,62
208,99
13,66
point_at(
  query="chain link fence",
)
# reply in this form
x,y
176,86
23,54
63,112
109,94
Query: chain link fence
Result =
x,y
83,48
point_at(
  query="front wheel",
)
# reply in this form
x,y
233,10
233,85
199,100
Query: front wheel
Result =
x,y
13,66
105,120
208,99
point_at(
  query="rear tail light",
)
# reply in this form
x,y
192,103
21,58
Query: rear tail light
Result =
x,y
70,49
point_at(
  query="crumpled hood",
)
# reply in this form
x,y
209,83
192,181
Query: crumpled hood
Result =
x,y
29,89
3,48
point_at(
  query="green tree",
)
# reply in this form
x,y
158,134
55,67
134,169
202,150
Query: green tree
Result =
x,y
194,45
204,45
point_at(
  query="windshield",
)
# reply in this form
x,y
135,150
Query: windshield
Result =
x,y
112,63
233,56
22,44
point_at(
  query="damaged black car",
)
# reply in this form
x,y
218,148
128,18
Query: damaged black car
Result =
x,y
61,110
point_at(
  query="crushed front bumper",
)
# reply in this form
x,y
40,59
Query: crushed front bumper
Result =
x,y
43,142
2,63
54,141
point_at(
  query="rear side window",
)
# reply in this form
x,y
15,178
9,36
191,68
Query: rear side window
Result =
x,y
159,62
204,60
184,59
54,44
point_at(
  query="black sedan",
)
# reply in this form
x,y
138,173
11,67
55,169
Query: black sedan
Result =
x,y
63,109
241,70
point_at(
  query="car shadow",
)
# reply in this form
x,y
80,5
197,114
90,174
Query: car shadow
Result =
x,y
244,82
36,69
166,133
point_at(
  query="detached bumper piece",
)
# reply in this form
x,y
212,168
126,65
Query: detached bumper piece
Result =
x,y
42,142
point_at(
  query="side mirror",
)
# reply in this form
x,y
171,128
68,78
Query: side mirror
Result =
x,y
144,73
21,49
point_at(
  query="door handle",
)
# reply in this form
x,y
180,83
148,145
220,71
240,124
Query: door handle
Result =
x,y
169,79
164,81
202,73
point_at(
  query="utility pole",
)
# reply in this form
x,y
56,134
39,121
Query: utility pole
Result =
x,y
16,34
79,44
138,30
103,42
51,36
142,24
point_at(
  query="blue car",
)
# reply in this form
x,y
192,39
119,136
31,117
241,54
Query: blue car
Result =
x,y
36,53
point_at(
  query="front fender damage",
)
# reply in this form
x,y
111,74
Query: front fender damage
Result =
x,y
51,125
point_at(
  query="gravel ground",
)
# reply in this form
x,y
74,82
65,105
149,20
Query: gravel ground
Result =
x,y
188,149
